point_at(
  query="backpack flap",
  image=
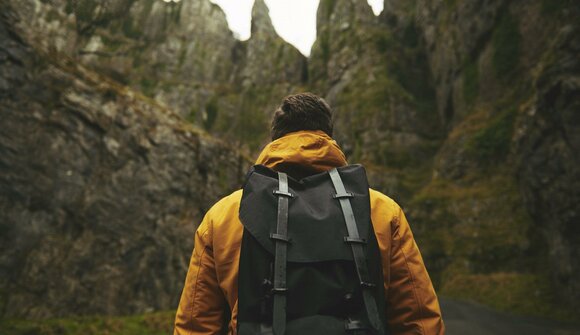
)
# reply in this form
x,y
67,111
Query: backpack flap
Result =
x,y
316,227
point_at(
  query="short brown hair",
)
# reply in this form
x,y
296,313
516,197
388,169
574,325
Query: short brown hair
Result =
x,y
303,111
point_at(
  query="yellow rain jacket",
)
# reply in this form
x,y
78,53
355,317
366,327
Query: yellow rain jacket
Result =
x,y
211,285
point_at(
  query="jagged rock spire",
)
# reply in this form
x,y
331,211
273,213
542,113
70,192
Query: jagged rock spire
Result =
x,y
261,21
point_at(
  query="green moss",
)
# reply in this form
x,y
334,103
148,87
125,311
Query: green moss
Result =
x,y
130,30
410,36
85,10
148,86
411,71
470,82
182,55
506,45
451,3
492,143
383,43
147,7
211,110
112,44
192,115
325,47
479,220
550,7
249,125
362,104
514,292
328,6
69,7
53,15
148,324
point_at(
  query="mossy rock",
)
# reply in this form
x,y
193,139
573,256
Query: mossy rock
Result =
x,y
160,323
492,143
211,112
521,293
470,81
551,7
478,222
506,42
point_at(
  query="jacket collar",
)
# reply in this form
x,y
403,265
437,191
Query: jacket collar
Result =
x,y
302,153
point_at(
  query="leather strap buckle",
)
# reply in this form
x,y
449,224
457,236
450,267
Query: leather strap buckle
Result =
x,y
279,237
350,324
349,239
343,195
365,284
283,193
278,290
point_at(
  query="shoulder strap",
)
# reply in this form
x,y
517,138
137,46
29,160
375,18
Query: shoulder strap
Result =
x,y
356,244
281,239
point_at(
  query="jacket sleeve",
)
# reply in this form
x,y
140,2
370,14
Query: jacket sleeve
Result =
x,y
202,303
412,306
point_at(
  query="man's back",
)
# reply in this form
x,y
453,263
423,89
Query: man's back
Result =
x,y
211,287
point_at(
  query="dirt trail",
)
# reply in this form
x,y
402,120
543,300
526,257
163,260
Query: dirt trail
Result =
x,y
462,318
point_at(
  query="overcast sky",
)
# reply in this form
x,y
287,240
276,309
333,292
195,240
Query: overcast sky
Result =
x,y
295,21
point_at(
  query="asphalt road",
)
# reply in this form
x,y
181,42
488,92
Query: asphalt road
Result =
x,y
462,318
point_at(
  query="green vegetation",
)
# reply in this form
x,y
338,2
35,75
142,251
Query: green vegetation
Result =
x,y
550,7
192,116
250,124
410,36
477,239
130,30
69,7
474,211
407,64
507,291
470,81
85,10
411,75
211,110
328,5
324,46
160,323
148,86
492,143
506,43
53,15
112,43
383,42
451,3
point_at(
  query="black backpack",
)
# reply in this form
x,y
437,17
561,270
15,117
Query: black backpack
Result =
x,y
310,262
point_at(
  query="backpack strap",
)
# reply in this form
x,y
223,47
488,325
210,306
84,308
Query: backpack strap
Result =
x,y
281,239
358,253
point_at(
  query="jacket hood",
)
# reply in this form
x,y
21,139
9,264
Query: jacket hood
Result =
x,y
302,153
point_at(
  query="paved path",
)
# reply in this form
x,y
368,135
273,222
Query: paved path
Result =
x,y
462,318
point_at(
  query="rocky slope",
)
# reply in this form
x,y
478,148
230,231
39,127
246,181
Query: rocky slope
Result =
x,y
464,112
100,187
506,77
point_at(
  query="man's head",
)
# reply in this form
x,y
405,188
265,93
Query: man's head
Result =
x,y
303,111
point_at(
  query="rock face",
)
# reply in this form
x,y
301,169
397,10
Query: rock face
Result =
x,y
548,145
378,82
100,188
463,111
180,54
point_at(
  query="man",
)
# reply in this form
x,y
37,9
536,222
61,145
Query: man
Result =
x,y
302,146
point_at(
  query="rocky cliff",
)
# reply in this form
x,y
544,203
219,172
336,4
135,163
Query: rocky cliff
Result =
x,y
463,111
100,187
